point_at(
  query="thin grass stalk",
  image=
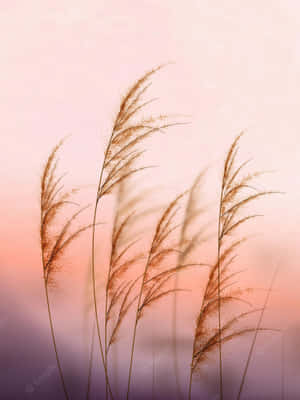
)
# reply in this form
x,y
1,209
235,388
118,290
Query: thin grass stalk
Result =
x,y
174,340
116,369
105,332
156,255
219,287
53,245
105,336
282,367
107,294
125,209
54,342
91,359
189,214
153,370
194,347
119,158
216,291
219,294
256,333
229,162
52,330
106,308
174,319
107,291
93,271
136,321
191,374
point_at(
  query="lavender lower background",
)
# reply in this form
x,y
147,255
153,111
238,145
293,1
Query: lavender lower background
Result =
x,y
28,368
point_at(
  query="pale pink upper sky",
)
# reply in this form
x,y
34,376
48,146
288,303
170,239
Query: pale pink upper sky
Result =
x,y
65,64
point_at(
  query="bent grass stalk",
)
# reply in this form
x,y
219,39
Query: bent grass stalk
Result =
x,y
94,285
120,154
186,246
153,283
116,233
282,362
228,209
216,292
54,343
119,263
256,333
54,244
90,365
88,306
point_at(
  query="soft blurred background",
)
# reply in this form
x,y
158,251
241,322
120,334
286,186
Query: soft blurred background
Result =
x,y
64,67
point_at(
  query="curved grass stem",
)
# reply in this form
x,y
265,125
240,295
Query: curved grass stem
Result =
x,y
190,384
174,337
219,299
95,298
91,359
256,333
54,341
136,323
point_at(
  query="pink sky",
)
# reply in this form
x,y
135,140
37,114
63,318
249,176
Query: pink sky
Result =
x,y
65,64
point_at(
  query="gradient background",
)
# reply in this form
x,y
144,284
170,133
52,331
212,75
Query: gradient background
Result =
x,y
64,66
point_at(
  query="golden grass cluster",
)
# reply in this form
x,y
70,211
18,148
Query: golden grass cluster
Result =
x,y
171,250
